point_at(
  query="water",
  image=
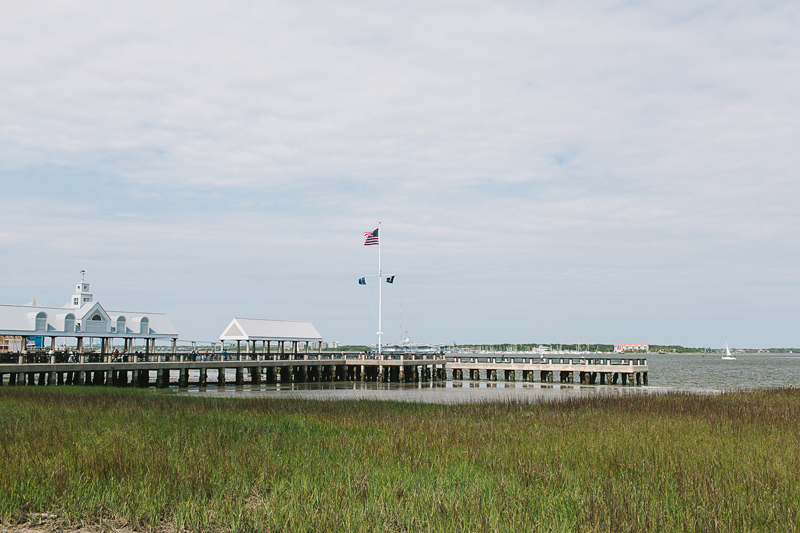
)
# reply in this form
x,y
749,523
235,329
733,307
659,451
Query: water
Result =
x,y
698,372
692,372
440,392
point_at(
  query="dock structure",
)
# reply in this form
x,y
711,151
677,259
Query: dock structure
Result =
x,y
250,367
254,368
586,369
253,360
252,331
82,319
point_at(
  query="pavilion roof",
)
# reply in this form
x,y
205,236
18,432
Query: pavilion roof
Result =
x,y
261,329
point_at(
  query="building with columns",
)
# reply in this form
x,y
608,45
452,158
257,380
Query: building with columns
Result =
x,y
622,348
251,331
83,318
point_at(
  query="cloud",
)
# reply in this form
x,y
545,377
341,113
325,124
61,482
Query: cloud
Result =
x,y
555,155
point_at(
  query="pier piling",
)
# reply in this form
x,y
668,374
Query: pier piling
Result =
x,y
298,367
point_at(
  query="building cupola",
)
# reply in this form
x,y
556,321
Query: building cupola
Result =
x,y
81,294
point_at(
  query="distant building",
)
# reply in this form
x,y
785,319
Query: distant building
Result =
x,y
80,318
407,348
10,343
619,348
255,330
324,345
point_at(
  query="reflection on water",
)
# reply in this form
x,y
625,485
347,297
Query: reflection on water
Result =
x,y
692,372
439,392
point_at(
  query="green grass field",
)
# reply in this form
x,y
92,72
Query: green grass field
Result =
x,y
634,463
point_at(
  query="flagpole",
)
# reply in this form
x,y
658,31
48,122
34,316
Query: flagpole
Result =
x,y
380,288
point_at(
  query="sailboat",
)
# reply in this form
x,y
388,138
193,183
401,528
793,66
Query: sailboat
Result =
x,y
728,356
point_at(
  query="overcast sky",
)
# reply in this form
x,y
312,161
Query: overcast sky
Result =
x,y
543,171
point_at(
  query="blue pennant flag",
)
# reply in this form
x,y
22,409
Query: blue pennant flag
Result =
x,y
362,281
390,279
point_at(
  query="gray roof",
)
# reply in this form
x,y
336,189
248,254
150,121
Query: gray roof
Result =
x,y
21,320
259,329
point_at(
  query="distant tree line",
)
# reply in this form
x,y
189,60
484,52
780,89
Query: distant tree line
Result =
x,y
675,348
348,348
529,346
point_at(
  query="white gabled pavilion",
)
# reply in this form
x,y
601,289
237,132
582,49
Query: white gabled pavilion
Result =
x,y
82,317
264,330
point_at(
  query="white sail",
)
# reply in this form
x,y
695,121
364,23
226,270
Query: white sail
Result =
x,y
728,356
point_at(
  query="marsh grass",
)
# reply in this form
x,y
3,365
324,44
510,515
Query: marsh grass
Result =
x,y
634,463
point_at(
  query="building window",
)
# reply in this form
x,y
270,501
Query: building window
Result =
x,y
75,301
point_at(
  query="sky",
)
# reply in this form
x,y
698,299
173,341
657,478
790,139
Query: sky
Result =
x,y
551,172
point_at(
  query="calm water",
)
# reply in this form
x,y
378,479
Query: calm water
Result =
x,y
698,373
749,371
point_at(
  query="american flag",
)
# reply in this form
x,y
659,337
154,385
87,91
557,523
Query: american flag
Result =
x,y
371,237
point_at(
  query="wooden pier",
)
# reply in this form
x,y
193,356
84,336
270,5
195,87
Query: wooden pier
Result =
x,y
175,369
586,370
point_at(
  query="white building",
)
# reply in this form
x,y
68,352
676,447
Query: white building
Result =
x,y
80,318
620,348
254,330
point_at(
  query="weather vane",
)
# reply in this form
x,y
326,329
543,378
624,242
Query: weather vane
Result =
x,y
82,273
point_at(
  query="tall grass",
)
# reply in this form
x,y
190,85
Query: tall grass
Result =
x,y
637,463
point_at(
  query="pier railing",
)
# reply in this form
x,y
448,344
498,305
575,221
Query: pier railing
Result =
x,y
167,357
550,360
176,357
117,368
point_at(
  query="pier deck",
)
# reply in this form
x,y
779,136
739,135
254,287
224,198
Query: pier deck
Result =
x,y
585,370
299,368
